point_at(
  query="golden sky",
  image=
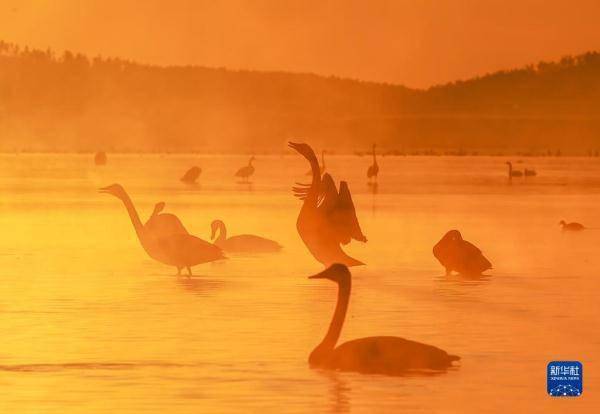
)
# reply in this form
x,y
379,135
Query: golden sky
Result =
x,y
412,42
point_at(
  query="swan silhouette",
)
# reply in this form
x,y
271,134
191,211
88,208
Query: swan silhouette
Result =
x,y
373,168
181,250
100,158
571,226
388,355
164,223
191,175
242,243
246,171
457,254
321,167
511,172
327,217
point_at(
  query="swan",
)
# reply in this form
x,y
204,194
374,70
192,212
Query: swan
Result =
x,y
173,249
455,253
322,166
529,173
388,355
513,173
100,158
571,226
191,175
327,217
246,243
373,168
246,171
164,223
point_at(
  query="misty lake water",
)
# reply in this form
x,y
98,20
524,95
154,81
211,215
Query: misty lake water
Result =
x,y
90,324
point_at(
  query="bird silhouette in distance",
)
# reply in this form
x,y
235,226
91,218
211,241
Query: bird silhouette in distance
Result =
x,y
245,172
513,173
181,250
457,254
191,175
164,223
373,169
529,173
571,226
242,243
100,158
321,167
387,355
327,217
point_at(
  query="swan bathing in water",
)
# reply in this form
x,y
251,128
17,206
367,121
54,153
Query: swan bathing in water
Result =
x,y
164,238
242,243
327,217
388,355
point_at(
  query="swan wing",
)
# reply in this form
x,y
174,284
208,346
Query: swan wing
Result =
x,y
161,225
389,355
343,217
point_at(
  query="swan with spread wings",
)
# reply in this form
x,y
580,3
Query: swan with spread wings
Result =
x,y
327,218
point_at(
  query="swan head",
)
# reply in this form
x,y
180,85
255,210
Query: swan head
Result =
x,y
453,235
337,272
115,189
562,223
214,226
158,207
508,163
302,148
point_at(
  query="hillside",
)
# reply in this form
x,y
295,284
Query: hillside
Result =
x,y
75,103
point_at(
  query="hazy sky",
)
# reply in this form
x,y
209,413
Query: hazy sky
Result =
x,y
412,42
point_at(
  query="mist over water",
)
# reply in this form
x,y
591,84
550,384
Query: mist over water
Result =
x,y
91,324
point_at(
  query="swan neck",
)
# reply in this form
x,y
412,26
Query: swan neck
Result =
x,y
337,322
222,233
134,216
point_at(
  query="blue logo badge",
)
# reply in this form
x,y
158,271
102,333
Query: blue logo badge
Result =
x,y
565,378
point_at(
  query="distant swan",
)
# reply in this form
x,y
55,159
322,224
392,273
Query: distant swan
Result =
x,y
100,158
164,223
511,172
242,243
457,254
246,171
191,175
327,217
388,355
181,250
571,226
321,167
373,168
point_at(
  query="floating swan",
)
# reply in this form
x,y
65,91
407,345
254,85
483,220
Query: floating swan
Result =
x,y
242,243
511,172
246,171
388,355
191,175
456,254
181,250
327,217
100,158
571,226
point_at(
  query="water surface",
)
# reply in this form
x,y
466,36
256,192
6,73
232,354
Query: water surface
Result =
x,y
90,324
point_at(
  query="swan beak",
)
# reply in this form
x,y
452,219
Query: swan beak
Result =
x,y
322,275
103,190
